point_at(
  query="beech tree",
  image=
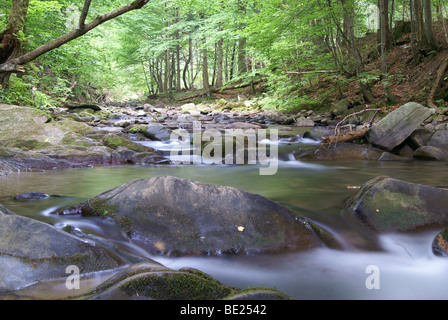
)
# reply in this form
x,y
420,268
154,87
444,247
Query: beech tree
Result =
x,y
11,57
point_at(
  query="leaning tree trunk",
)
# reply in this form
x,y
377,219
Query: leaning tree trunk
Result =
x,y
10,45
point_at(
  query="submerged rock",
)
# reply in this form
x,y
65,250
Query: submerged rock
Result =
x,y
168,215
339,151
31,196
32,251
387,205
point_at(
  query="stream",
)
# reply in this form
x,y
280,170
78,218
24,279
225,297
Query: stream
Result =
x,y
318,190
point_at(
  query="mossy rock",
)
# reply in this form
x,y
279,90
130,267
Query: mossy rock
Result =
x,y
74,139
165,285
152,281
386,205
115,141
144,131
30,144
172,216
258,293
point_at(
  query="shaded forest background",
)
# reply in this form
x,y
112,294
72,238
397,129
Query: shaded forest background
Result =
x,y
286,55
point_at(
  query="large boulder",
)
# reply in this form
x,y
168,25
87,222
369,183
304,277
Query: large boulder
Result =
x,y
32,251
398,125
31,142
386,205
30,129
172,216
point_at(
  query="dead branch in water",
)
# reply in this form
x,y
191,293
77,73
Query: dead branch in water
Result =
x,y
351,135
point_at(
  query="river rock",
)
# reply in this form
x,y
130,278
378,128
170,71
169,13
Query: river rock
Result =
x,y
31,196
431,153
398,125
440,244
340,151
386,205
318,133
420,137
17,162
304,122
32,251
439,139
80,105
172,216
149,281
33,143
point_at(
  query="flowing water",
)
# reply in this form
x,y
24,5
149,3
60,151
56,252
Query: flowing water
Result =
x,y
407,268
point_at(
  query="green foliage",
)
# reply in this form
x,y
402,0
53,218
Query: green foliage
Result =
x,y
22,91
126,58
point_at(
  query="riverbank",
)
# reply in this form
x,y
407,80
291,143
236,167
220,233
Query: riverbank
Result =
x,y
80,135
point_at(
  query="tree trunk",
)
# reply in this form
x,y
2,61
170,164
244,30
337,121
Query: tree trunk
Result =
x,y
219,76
442,19
419,24
178,85
232,62
383,32
205,79
10,46
185,71
383,29
191,58
388,33
368,97
430,36
242,65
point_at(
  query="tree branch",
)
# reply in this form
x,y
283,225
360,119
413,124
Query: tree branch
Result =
x,y
349,136
85,11
56,43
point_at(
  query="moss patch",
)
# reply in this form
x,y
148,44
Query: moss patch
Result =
x,y
395,209
144,131
175,286
72,139
100,208
114,141
30,144
77,259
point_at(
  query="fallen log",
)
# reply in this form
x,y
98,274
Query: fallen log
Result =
x,y
346,137
350,135
203,93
